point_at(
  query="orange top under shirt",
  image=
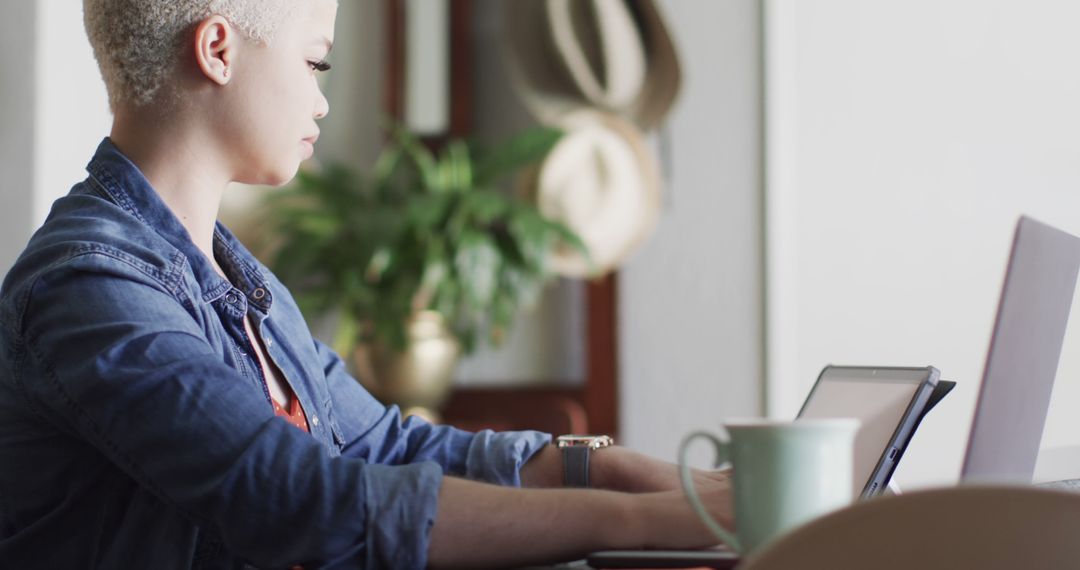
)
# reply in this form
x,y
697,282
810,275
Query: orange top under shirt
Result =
x,y
294,415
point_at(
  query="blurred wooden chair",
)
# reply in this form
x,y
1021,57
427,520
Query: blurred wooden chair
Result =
x,y
977,527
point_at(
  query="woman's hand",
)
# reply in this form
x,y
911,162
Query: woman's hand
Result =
x,y
481,525
672,522
620,469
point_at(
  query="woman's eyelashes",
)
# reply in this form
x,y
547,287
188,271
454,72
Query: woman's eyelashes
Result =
x,y
319,65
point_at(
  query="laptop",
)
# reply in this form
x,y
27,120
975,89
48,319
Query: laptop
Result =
x,y
1023,356
1018,378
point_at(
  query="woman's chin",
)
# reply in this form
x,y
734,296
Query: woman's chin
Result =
x,y
279,176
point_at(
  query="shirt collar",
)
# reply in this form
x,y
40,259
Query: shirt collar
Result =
x,y
125,184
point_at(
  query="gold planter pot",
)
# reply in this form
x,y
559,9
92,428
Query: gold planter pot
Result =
x,y
418,379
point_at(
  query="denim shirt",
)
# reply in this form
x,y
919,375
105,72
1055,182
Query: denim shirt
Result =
x,y
136,430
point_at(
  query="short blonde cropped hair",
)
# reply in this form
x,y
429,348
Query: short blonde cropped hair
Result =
x,y
137,42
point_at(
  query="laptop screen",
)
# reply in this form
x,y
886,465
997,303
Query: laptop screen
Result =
x,y
878,401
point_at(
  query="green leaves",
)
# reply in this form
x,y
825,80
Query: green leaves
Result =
x,y
477,265
421,230
526,148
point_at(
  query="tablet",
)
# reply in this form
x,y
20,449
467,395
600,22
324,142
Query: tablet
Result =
x,y
887,401
716,558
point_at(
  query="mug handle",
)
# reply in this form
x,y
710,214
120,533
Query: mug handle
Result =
x,y
722,456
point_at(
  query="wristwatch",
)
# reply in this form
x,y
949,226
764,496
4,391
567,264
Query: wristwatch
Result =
x,y
576,450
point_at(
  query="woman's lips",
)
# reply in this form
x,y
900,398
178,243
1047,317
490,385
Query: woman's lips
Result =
x,y
308,143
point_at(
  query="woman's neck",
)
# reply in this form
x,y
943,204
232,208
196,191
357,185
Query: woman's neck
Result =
x,y
183,166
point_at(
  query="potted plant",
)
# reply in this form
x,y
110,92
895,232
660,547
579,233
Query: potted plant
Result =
x,y
425,250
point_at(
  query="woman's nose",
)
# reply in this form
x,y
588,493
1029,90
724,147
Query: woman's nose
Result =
x,y
322,106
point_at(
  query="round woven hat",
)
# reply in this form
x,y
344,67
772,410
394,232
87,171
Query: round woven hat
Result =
x,y
601,181
614,55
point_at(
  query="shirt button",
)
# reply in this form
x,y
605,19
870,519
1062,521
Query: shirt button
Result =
x,y
315,420
231,298
259,293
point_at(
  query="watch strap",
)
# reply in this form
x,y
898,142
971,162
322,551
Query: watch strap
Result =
x,y
576,466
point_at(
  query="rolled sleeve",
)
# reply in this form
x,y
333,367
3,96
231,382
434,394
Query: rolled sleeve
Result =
x,y
497,457
402,502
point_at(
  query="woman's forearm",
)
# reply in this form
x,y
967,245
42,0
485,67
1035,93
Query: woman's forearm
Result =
x,y
480,525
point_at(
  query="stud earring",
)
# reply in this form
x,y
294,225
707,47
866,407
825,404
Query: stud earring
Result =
x,y
226,72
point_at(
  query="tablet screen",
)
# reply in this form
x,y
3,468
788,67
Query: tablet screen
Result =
x,y
877,397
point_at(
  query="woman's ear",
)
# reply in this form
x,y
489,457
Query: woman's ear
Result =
x,y
215,48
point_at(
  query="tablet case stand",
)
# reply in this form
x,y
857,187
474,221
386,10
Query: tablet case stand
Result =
x,y
942,388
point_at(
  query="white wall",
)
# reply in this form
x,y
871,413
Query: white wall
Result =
x,y
17,47
904,140
690,307
72,113
54,111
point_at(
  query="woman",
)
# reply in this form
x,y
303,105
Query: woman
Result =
x,y
162,403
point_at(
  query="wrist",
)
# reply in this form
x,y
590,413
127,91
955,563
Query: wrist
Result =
x,y
653,520
607,471
579,454
621,469
544,469
637,521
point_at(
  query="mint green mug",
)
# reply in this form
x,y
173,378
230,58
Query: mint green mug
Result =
x,y
785,473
